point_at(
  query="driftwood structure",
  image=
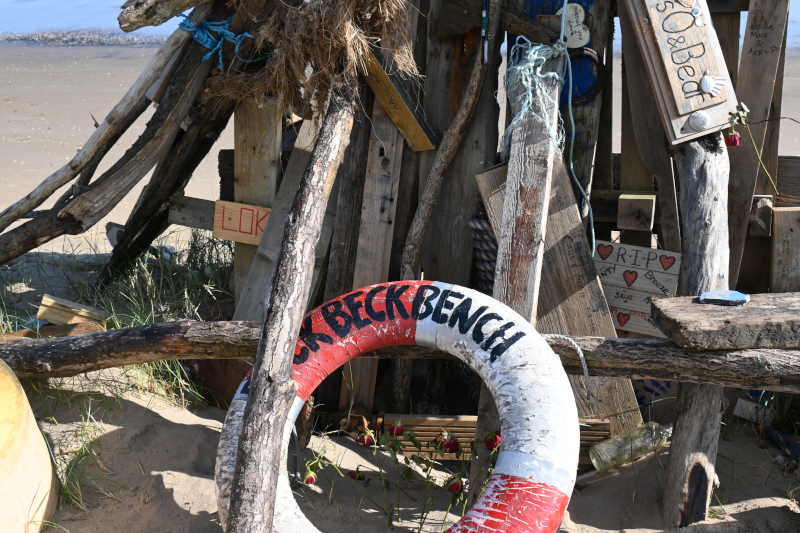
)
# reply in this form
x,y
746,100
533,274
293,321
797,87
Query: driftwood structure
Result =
x,y
366,137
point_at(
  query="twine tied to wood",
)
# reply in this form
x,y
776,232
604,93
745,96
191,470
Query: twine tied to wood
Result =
x,y
202,34
528,73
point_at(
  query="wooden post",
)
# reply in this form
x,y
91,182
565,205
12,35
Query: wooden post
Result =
x,y
758,68
785,271
634,172
256,167
638,119
470,117
272,388
703,168
521,239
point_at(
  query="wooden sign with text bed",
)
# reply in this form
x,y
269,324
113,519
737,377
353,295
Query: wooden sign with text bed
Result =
x,y
632,276
240,222
406,114
686,67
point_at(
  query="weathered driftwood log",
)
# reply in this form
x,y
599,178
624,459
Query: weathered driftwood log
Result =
x,y
140,13
769,369
107,129
703,169
767,321
272,390
150,217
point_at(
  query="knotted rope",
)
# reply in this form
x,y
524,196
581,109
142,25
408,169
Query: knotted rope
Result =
x,y
202,34
535,100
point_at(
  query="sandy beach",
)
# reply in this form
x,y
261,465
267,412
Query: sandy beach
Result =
x,y
159,458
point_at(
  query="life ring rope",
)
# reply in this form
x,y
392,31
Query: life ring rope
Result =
x,y
535,471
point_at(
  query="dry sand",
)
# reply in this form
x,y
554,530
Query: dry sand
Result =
x,y
159,459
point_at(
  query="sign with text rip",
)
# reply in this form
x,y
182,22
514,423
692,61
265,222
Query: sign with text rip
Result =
x,y
632,276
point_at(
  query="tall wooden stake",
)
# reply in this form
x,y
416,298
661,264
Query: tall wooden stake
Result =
x,y
703,169
272,388
520,241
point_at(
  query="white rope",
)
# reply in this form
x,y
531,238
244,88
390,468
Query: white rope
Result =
x,y
592,398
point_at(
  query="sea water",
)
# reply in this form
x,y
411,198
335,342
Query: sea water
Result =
x,y
32,16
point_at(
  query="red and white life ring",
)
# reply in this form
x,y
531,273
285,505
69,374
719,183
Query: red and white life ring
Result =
x,y
536,466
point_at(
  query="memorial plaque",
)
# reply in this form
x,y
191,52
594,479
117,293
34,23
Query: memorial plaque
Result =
x,y
681,31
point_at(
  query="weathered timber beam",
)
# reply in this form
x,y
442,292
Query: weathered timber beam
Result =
x,y
769,369
140,13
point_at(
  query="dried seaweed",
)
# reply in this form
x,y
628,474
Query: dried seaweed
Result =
x,y
320,46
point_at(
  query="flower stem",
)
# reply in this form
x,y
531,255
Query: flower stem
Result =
x,y
758,154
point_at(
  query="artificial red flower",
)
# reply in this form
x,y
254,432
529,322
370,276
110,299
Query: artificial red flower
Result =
x,y
455,485
733,139
358,475
492,440
310,478
447,442
397,429
366,439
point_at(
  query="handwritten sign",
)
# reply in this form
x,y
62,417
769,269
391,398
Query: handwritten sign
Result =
x,y
240,222
685,64
577,34
632,276
681,31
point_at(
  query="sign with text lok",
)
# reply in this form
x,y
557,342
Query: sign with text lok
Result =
x,y
240,222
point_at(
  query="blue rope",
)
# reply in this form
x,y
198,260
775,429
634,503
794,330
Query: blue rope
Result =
x,y
202,34
571,170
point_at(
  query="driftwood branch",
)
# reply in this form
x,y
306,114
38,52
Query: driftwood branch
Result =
x,y
272,390
703,168
447,152
140,13
107,129
769,369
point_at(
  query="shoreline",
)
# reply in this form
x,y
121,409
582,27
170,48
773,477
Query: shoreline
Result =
x,y
82,38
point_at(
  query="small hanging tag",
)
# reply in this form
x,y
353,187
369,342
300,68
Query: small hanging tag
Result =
x,y
577,34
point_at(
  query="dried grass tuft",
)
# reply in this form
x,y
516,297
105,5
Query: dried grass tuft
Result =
x,y
320,46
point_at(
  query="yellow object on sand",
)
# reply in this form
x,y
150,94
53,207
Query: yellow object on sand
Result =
x,y
28,485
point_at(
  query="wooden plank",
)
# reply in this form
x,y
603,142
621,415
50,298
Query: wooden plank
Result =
x,y
520,241
635,175
675,123
61,330
257,158
629,299
785,271
636,212
767,321
761,217
251,302
727,27
59,311
758,67
492,186
384,161
192,212
389,88
575,304
241,223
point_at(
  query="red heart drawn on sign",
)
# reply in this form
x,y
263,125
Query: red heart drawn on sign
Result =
x,y
623,318
604,250
630,276
666,262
